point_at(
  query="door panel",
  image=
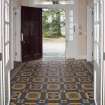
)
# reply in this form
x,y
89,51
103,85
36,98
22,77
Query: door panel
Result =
x,y
1,70
5,51
70,29
31,29
97,52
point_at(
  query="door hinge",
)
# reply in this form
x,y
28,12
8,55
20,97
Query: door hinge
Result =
x,y
0,56
103,56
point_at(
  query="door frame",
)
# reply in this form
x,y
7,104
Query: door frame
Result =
x,y
100,69
5,50
56,6
2,52
17,33
102,3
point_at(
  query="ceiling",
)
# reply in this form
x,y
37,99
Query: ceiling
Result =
x,y
46,1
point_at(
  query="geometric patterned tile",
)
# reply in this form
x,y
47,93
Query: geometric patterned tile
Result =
x,y
70,87
32,96
68,79
53,82
53,87
15,95
12,103
18,86
35,87
87,87
53,103
26,74
53,79
90,95
53,97
75,103
73,96
23,80
37,79
29,103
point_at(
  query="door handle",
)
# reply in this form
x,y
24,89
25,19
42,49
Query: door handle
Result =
x,y
0,56
21,36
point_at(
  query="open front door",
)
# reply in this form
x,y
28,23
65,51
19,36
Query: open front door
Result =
x,y
31,33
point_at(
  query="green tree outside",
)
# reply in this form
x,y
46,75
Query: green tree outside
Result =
x,y
52,23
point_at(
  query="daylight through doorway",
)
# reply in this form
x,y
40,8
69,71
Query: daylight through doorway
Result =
x,y
53,33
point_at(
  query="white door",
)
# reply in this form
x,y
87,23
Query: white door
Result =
x,y
1,70
97,52
103,40
1,77
6,50
70,29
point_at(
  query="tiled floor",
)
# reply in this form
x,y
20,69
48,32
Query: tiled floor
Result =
x,y
52,82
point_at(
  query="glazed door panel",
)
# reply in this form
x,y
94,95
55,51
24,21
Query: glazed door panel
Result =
x,y
70,31
97,52
1,70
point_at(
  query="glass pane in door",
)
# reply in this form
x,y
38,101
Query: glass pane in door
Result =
x,y
6,12
71,25
7,53
6,33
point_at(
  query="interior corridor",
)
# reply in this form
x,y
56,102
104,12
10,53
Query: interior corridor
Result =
x,y
52,82
39,80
